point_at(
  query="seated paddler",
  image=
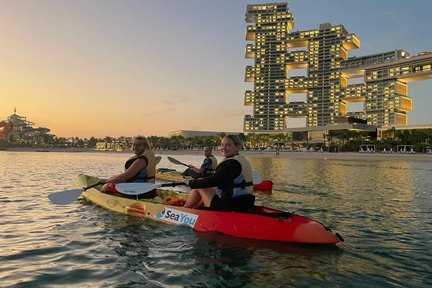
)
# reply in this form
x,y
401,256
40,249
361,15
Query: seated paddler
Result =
x,y
206,169
225,189
139,168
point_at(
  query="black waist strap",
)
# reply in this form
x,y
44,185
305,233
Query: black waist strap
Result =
x,y
242,185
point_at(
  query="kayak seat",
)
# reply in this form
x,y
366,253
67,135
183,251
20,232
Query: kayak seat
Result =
x,y
165,170
243,203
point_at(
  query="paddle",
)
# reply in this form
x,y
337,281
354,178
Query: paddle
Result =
x,y
175,161
68,196
158,159
141,188
256,177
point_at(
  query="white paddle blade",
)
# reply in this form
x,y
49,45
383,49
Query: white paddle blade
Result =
x,y
136,188
256,177
65,197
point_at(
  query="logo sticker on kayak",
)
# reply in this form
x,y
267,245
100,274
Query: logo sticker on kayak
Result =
x,y
177,217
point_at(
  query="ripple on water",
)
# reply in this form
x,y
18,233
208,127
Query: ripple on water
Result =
x,y
381,208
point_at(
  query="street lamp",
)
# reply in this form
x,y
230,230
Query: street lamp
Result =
x,y
324,141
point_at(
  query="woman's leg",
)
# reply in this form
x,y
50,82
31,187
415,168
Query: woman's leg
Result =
x,y
207,195
200,204
193,199
197,197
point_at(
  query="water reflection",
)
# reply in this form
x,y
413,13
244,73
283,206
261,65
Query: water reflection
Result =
x,y
383,209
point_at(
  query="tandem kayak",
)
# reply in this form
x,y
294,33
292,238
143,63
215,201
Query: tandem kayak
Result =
x,y
263,224
171,175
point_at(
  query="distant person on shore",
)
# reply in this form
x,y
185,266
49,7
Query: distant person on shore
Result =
x,y
232,178
207,167
139,168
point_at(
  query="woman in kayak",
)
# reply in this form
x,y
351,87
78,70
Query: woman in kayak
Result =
x,y
232,178
139,168
207,167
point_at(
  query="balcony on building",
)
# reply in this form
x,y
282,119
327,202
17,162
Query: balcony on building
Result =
x,y
250,33
351,42
404,104
294,43
249,98
250,74
250,51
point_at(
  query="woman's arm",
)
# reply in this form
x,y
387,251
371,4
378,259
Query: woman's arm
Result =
x,y
224,174
206,165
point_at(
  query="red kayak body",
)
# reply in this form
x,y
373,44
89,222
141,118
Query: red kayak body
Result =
x,y
266,224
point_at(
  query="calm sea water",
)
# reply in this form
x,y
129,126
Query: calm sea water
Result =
x,y
383,209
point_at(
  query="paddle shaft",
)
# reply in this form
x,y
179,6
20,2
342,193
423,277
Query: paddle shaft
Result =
x,y
137,188
256,176
91,186
172,184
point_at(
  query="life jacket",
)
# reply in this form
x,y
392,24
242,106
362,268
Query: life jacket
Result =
x,y
243,184
146,174
208,172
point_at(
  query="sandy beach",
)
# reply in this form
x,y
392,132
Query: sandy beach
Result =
x,y
317,155
272,154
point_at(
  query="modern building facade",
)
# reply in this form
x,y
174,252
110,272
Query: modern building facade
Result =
x,y
309,74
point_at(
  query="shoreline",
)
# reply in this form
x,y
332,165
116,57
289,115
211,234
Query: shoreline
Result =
x,y
265,154
315,155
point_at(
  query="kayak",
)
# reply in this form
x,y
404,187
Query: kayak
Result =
x,y
166,207
171,175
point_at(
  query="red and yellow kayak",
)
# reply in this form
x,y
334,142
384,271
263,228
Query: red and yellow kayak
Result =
x,y
264,224
171,175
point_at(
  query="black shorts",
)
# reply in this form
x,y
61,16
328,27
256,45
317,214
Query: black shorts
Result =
x,y
243,203
220,204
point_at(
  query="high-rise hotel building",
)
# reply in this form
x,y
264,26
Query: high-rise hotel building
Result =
x,y
314,66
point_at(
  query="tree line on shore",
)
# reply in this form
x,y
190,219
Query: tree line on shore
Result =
x,y
343,140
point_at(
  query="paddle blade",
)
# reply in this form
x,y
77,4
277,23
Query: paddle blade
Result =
x,y
136,188
256,177
158,159
175,161
65,197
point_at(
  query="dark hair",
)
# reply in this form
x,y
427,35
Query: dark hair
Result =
x,y
235,139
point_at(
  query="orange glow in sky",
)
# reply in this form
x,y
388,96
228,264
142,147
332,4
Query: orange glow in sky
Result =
x,y
121,68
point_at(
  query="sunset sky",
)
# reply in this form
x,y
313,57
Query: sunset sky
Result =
x,y
120,68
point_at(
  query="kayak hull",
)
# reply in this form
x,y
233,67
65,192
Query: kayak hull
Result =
x,y
268,224
169,175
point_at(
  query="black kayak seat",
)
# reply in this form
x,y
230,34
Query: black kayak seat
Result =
x,y
165,170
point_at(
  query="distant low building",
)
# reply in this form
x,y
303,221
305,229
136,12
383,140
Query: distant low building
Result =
x,y
114,144
389,131
194,133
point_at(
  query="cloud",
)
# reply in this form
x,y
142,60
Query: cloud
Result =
x,y
174,99
153,112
